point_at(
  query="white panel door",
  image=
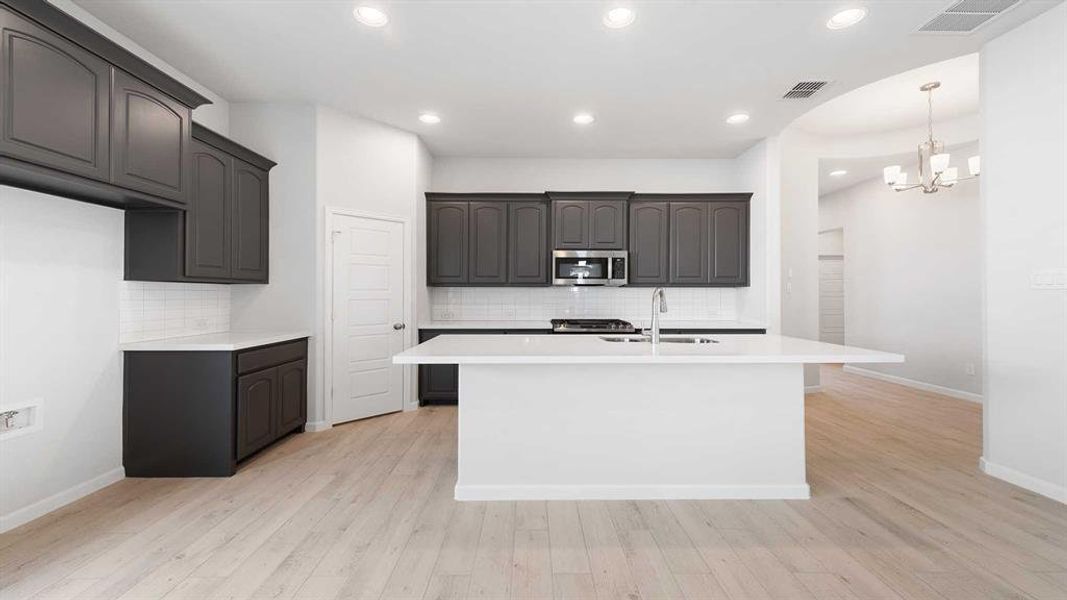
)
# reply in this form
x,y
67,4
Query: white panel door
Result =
x,y
832,299
368,317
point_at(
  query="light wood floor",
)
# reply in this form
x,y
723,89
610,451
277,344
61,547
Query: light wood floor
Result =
x,y
899,510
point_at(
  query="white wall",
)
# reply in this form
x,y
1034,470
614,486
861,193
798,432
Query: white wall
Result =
x,y
758,171
1025,227
913,277
60,282
326,159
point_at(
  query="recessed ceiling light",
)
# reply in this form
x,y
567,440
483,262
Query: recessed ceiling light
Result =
x,y
620,17
838,173
846,18
584,118
430,118
370,16
737,118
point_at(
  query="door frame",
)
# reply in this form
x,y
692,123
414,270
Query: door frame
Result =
x,y
332,215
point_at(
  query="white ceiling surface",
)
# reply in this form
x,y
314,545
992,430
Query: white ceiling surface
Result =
x,y
862,169
896,102
506,77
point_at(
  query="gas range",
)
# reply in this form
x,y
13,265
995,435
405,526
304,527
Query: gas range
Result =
x,y
591,326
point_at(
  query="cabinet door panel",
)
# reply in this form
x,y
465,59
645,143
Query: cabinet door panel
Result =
x,y
689,242
208,219
257,420
527,242
438,384
54,100
447,249
607,224
292,396
570,222
488,242
649,249
249,229
728,259
149,139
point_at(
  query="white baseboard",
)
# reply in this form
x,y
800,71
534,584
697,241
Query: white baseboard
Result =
x,y
1027,482
919,385
812,389
316,426
632,492
42,507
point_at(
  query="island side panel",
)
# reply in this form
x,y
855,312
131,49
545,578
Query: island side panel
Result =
x,y
602,431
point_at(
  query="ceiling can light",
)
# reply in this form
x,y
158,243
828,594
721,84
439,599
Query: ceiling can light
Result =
x,y
584,119
846,18
619,17
370,16
838,173
430,118
737,118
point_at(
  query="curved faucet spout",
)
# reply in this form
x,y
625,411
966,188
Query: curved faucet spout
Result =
x,y
659,305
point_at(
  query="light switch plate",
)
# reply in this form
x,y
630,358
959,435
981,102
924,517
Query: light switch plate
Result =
x,y
1049,279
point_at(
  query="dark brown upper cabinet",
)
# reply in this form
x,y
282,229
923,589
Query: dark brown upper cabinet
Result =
x,y
84,118
447,227
589,220
223,235
705,244
728,245
54,100
149,139
250,228
528,249
208,220
487,239
488,245
649,243
689,242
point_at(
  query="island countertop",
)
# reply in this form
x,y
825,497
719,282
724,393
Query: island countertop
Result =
x,y
590,349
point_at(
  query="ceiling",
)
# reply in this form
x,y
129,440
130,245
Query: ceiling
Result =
x,y
896,102
506,77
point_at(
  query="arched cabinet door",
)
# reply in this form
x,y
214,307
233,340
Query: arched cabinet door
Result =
x,y
448,229
250,228
150,138
208,219
728,246
649,243
53,100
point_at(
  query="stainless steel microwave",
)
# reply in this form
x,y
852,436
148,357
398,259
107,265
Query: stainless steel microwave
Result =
x,y
589,267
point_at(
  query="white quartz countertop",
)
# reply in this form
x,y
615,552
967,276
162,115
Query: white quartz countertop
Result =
x,y
590,349
209,342
546,324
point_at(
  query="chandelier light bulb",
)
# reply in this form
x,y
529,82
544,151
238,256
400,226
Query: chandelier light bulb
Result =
x,y
891,174
974,165
950,176
939,162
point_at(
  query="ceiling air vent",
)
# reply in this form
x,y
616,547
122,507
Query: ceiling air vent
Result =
x,y
804,89
967,15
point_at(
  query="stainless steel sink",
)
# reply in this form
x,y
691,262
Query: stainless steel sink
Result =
x,y
688,339
626,339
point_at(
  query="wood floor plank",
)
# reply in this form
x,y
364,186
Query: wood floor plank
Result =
x,y
365,510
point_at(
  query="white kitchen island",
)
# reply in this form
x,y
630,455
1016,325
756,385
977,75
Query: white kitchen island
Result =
x,y
577,417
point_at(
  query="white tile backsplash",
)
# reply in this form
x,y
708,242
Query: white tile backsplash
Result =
x,y
154,311
509,304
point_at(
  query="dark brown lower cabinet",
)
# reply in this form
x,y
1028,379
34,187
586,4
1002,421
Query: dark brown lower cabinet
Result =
x,y
197,414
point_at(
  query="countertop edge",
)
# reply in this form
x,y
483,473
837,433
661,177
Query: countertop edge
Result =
x,y
203,343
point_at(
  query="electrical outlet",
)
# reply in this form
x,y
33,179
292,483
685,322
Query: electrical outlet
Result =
x,y
969,369
16,420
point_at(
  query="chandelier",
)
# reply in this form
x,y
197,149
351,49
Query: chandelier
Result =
x,y
934,172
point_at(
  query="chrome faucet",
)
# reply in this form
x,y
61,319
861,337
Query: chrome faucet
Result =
x,y
659,305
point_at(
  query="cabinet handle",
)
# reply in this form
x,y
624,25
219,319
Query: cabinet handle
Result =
x,y
398,326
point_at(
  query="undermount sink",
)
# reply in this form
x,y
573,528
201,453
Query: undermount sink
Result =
x,y
688,339
627,338
673,339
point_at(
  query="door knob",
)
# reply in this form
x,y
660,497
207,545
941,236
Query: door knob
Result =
x,y
398,326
